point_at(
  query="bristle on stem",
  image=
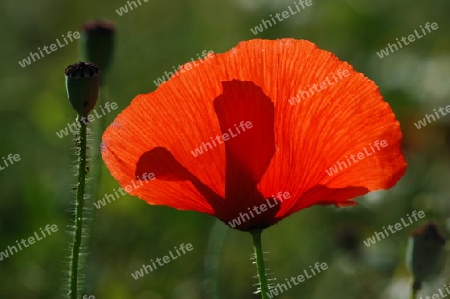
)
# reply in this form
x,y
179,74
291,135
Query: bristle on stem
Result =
x,y
259,261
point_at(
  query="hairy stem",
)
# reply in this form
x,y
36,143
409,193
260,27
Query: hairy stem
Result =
x,y
259,260
78,221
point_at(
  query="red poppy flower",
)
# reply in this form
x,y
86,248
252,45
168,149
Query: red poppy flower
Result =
x,y
295,111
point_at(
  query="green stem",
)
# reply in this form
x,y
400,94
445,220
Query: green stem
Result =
x,y
81,189
101,127
415,288
216,241
260,267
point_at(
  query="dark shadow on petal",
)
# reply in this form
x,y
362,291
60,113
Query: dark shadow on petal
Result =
x,y
246,114
165,167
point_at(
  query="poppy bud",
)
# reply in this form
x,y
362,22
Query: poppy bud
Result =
x,y
97,43
82,86
423,253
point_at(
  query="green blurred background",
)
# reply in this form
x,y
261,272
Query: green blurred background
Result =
x,y
127,233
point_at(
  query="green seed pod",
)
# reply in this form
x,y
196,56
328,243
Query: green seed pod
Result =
x,y
82,83
97,43
424,250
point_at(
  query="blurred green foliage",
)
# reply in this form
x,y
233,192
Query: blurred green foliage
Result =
x,y
153,38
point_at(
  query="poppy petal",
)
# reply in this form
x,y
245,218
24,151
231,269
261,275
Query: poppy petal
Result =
x,y
309,110
251,144
341,114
